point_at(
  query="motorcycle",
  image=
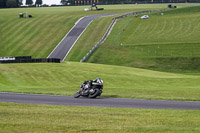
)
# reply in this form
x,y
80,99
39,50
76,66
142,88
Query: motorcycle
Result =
x,y
90,88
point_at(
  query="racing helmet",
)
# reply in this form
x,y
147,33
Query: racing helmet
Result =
x,y
98,80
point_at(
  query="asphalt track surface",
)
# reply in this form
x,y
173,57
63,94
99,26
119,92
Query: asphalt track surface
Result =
x,y
98,102
66,44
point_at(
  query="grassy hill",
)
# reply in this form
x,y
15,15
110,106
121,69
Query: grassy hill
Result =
x,y
35,36
98,27
39,35
165,43
121,82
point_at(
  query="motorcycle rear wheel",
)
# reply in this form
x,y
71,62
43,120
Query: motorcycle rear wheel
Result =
x,y
94,94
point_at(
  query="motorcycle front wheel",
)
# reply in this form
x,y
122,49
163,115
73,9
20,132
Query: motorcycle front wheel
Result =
x,y
77,94
94,94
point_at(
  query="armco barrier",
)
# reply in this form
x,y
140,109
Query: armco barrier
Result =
x,y
27,59
110,27
100,42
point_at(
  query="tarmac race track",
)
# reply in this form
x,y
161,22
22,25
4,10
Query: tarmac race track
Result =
x,y
66,44
98,102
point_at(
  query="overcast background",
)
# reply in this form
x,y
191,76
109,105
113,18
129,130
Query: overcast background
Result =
x,y
48,2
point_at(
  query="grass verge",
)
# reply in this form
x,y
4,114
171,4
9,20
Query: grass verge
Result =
x,y
120,82
43,118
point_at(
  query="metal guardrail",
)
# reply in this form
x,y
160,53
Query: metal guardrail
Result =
x,y
110,27
100,42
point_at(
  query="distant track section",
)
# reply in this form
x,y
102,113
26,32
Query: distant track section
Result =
x,y
66,44
98,102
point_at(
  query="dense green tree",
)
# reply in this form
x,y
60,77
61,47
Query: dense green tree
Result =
x,y
19,2
29,2
64,2
3,3
38,2
11,3
103,1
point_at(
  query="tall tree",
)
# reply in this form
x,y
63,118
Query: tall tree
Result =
x,y
29,2
64,2
38,2
11,3
3,3
19,3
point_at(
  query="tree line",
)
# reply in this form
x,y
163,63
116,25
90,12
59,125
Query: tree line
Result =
x,y
105,2
18,3
86,2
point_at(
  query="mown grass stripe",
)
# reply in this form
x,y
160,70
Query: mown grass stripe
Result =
x,y
18,28
8,24
163,29
16,36
35,31
190,28
170,30
14,32
45,37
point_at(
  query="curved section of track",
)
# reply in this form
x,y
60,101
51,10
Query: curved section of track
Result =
x,y
98,102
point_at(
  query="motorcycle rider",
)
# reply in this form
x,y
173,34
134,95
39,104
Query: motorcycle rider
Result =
x,y
90,88
85,86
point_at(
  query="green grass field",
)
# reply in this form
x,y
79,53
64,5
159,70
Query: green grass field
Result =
x,y
165,43
120,82
35,118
